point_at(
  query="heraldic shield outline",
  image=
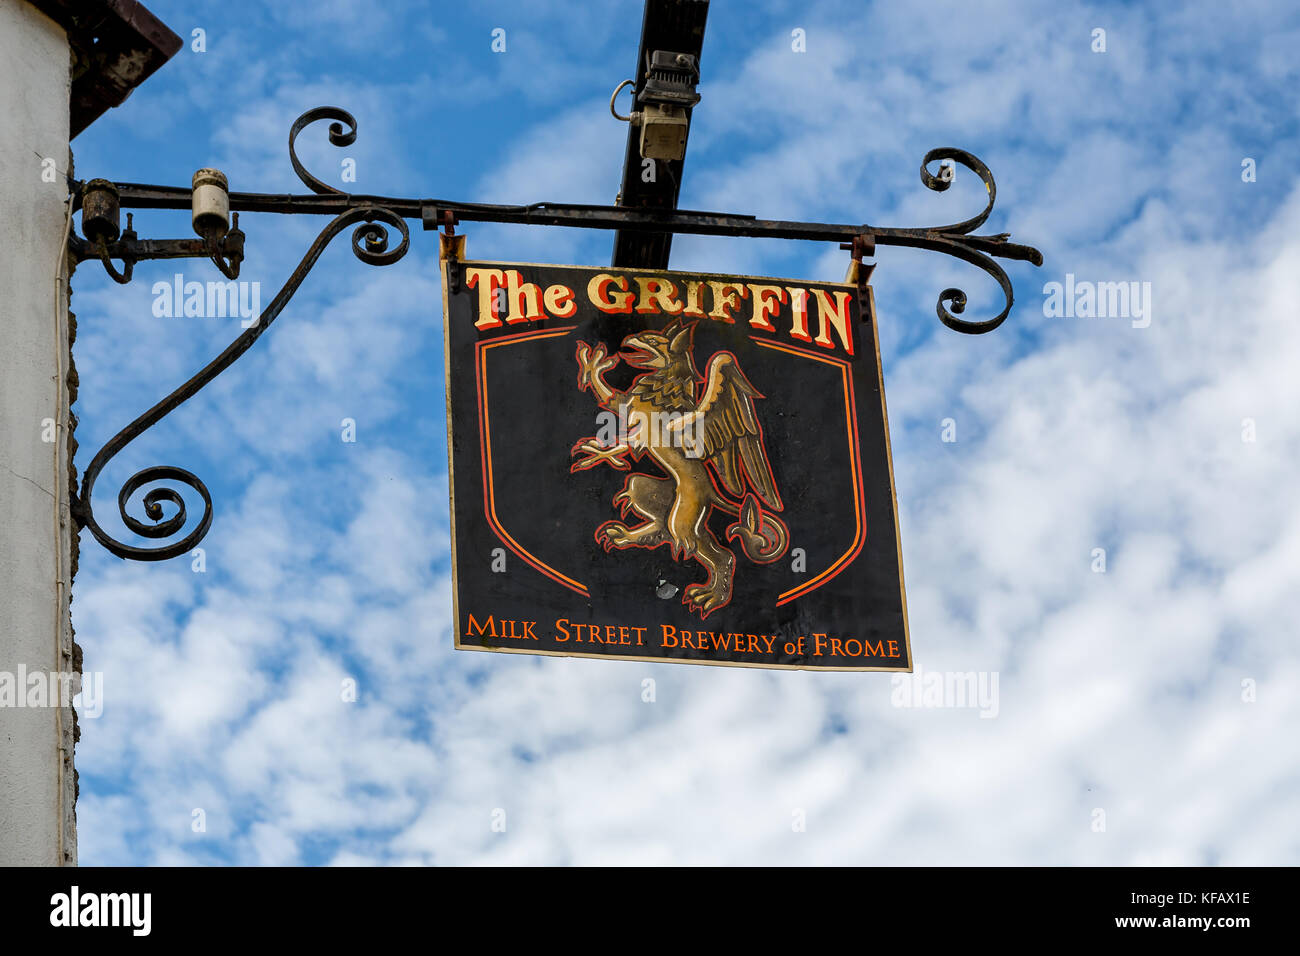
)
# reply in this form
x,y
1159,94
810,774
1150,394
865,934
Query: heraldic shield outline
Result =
x,y
665,466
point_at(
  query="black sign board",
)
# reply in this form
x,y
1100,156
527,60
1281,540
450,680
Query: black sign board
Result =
x,y
668,466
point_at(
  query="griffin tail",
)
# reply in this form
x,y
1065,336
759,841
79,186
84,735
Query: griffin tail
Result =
x,y
763,536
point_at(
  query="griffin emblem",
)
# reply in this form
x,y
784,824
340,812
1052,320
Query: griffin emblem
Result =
x,y
708,447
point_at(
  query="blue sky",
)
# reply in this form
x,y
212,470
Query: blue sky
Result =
x,y
1123,691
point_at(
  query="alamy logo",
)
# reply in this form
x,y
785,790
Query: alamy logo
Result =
x,y
37,688
949,689
210,300
131,910
1098,300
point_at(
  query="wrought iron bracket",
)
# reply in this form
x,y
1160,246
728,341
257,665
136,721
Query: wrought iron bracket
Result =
x,y
373,217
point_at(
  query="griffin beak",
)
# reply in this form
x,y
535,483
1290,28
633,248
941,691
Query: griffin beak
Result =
x,y
638,353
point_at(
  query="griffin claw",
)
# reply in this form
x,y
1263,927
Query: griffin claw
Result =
x,y
592,364
596,453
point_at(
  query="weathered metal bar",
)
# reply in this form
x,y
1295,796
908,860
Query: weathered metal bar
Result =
x,y
141,249
578,216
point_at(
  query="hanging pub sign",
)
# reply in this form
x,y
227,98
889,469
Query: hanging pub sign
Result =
x,y
669,466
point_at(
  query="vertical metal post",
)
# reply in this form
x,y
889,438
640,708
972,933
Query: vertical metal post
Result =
x,y
676,25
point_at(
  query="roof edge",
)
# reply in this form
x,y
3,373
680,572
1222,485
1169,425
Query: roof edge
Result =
x,y
116,45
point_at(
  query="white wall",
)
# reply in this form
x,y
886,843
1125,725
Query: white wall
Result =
x,y
37,823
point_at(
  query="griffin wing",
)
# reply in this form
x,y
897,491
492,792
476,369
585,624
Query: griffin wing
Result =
x,y
725,424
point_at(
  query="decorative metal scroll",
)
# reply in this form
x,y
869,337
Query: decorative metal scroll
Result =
x,y
369,244
373,215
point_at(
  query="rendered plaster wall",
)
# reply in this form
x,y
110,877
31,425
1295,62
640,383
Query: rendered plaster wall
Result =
x,y
37,781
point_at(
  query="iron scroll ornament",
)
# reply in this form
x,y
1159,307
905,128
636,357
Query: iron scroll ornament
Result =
x,y
369,244
374,215
956,241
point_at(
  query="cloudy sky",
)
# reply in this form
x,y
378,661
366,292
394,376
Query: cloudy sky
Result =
x,y
1146,712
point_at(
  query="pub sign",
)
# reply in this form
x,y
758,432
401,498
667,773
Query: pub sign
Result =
x,y
669,466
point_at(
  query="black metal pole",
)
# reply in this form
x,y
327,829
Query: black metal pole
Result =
x,y
676,25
